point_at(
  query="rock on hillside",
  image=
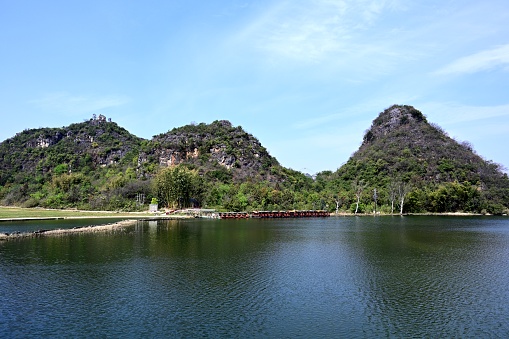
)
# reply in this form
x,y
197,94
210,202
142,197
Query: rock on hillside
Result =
x,y
96,142
219,149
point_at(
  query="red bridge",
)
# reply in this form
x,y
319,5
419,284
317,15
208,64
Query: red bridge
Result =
x,y
274,214
289,214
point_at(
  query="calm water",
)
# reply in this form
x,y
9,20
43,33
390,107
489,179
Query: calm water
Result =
x,y
336,277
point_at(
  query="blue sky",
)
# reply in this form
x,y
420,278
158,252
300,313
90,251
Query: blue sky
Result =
x,y
306,77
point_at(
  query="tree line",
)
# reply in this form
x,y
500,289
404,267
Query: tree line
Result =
x,y
182,186
179,187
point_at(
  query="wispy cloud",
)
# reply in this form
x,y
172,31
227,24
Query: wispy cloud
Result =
x,y
448,113
68,104
311,31
497,57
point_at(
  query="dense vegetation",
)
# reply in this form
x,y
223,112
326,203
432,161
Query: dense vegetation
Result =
x,y
440,174
405,164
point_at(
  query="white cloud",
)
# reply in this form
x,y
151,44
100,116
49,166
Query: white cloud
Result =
x,y
311,31
448,113
481,61
68,104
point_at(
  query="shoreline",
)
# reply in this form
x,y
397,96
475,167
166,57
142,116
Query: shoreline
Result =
x,y
179,216
12,213
441,214
134,217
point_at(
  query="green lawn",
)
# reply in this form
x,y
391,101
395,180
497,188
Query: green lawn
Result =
x,y
16,212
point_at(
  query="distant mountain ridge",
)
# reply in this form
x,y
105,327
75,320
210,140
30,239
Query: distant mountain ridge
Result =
x,y
98,142
99,156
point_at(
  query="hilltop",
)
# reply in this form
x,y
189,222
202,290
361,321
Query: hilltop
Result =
x,y
81,147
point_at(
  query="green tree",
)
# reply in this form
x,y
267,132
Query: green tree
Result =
x,y
174,186
61,169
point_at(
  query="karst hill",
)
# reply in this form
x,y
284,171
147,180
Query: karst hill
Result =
x,y
81,147
96,164
401,145
218,150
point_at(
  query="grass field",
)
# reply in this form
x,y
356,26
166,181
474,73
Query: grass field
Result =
x,y
17,212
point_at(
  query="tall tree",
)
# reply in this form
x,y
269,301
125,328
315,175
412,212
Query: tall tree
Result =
x,y
339,200
392,189
358,187
403,189
375,197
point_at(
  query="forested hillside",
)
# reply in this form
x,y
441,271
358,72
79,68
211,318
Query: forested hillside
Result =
x,y
97,164
403,153
68,166
405,164
220,151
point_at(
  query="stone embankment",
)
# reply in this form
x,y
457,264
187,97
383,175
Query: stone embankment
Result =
x,y
87,229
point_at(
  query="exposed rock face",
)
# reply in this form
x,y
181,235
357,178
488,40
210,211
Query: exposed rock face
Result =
x,y
394,118
208,146
169,157
95,142
44,141
220,156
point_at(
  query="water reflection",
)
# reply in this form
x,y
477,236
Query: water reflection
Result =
x,y
433,276
337,277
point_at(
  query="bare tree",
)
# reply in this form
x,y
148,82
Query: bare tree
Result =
x,y
339,199
358,188
375,198
392,189
403,189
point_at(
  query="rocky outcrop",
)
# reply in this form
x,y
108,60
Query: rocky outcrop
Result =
x,y
169,157
95,142
394,118
208,146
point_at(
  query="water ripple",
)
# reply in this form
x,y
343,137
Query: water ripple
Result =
x,y
345,277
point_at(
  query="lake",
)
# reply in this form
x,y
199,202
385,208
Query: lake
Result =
x,y
352,277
